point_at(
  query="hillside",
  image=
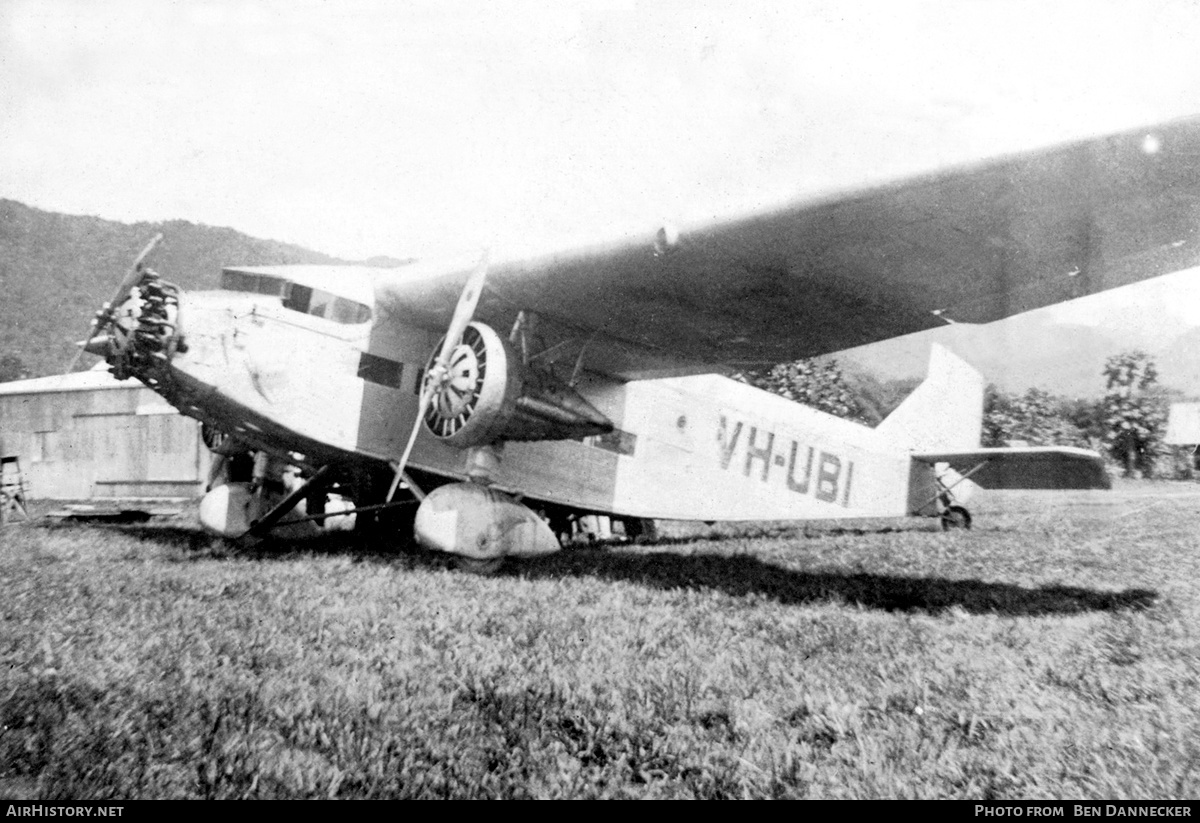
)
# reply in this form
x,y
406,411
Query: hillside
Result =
x,y
57,269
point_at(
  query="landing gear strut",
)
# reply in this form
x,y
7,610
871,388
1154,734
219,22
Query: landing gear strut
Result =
x,y
251,495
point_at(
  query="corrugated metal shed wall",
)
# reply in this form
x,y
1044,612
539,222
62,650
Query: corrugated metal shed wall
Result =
x,y
119,441
1183,424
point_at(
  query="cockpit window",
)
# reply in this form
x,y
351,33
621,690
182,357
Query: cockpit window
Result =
x,y
253,283
304,299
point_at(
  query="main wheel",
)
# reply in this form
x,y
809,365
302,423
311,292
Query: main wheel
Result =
x,y
955,517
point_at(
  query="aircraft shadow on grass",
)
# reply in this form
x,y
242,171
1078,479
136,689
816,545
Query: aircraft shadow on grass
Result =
x,y
736,575
742,575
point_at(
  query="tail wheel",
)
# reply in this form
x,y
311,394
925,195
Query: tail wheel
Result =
x,y
955,517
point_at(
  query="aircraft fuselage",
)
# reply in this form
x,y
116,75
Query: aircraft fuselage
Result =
x,y
700,447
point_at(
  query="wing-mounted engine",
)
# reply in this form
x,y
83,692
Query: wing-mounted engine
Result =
x,y
488,395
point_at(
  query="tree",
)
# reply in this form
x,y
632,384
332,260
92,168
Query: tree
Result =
x,y
1037,418
1087,415
877,398
814,383
12,368
1135,412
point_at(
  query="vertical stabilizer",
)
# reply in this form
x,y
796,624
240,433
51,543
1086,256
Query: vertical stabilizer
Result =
x,y
944,412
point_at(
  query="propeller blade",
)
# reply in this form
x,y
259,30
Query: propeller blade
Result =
x,y
127,283
82,344
135,273
426,396
463,312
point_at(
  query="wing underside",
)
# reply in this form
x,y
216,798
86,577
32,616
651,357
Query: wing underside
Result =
x,y
973,244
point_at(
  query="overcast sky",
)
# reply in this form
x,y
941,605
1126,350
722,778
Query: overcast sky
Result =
x,y
361,128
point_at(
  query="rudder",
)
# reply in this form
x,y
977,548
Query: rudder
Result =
x,y
944,412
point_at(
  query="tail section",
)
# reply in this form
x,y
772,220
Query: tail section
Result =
x,y
944,412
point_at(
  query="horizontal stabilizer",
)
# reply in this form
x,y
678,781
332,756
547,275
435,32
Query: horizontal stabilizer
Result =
x,y
1038,467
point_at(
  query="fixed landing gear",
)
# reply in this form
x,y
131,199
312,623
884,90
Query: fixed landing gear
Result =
x,y
480,523
574,527
955,517
641,529
943,504
252,495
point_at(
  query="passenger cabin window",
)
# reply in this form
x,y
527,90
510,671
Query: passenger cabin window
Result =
x,y
304,299
320,303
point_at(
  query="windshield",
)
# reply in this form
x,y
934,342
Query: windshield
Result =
x,y
253,283
304,299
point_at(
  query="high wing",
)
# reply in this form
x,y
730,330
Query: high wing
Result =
x,y
973,244
1036,467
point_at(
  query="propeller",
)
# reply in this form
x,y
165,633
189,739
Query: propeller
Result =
x,y
105,314
439,370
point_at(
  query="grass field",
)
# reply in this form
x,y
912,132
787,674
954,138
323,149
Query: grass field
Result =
x,y
1051,652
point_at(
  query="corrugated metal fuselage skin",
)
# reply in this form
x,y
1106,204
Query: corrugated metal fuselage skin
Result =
x,y
700,447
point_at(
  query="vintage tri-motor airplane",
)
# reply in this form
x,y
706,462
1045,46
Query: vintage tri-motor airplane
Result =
x,y
507,395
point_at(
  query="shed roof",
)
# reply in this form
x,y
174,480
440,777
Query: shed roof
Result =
x,y
94,380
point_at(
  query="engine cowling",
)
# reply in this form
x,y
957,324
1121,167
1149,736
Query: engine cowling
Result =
x,y
480,393
489,395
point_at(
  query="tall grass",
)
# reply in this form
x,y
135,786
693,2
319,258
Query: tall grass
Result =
x,y
1052,652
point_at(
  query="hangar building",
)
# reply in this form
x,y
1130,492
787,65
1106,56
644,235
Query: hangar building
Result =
x,y
1183,429
87,435
1183,425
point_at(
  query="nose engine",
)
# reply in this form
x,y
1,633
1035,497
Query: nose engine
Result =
x,y
139,335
